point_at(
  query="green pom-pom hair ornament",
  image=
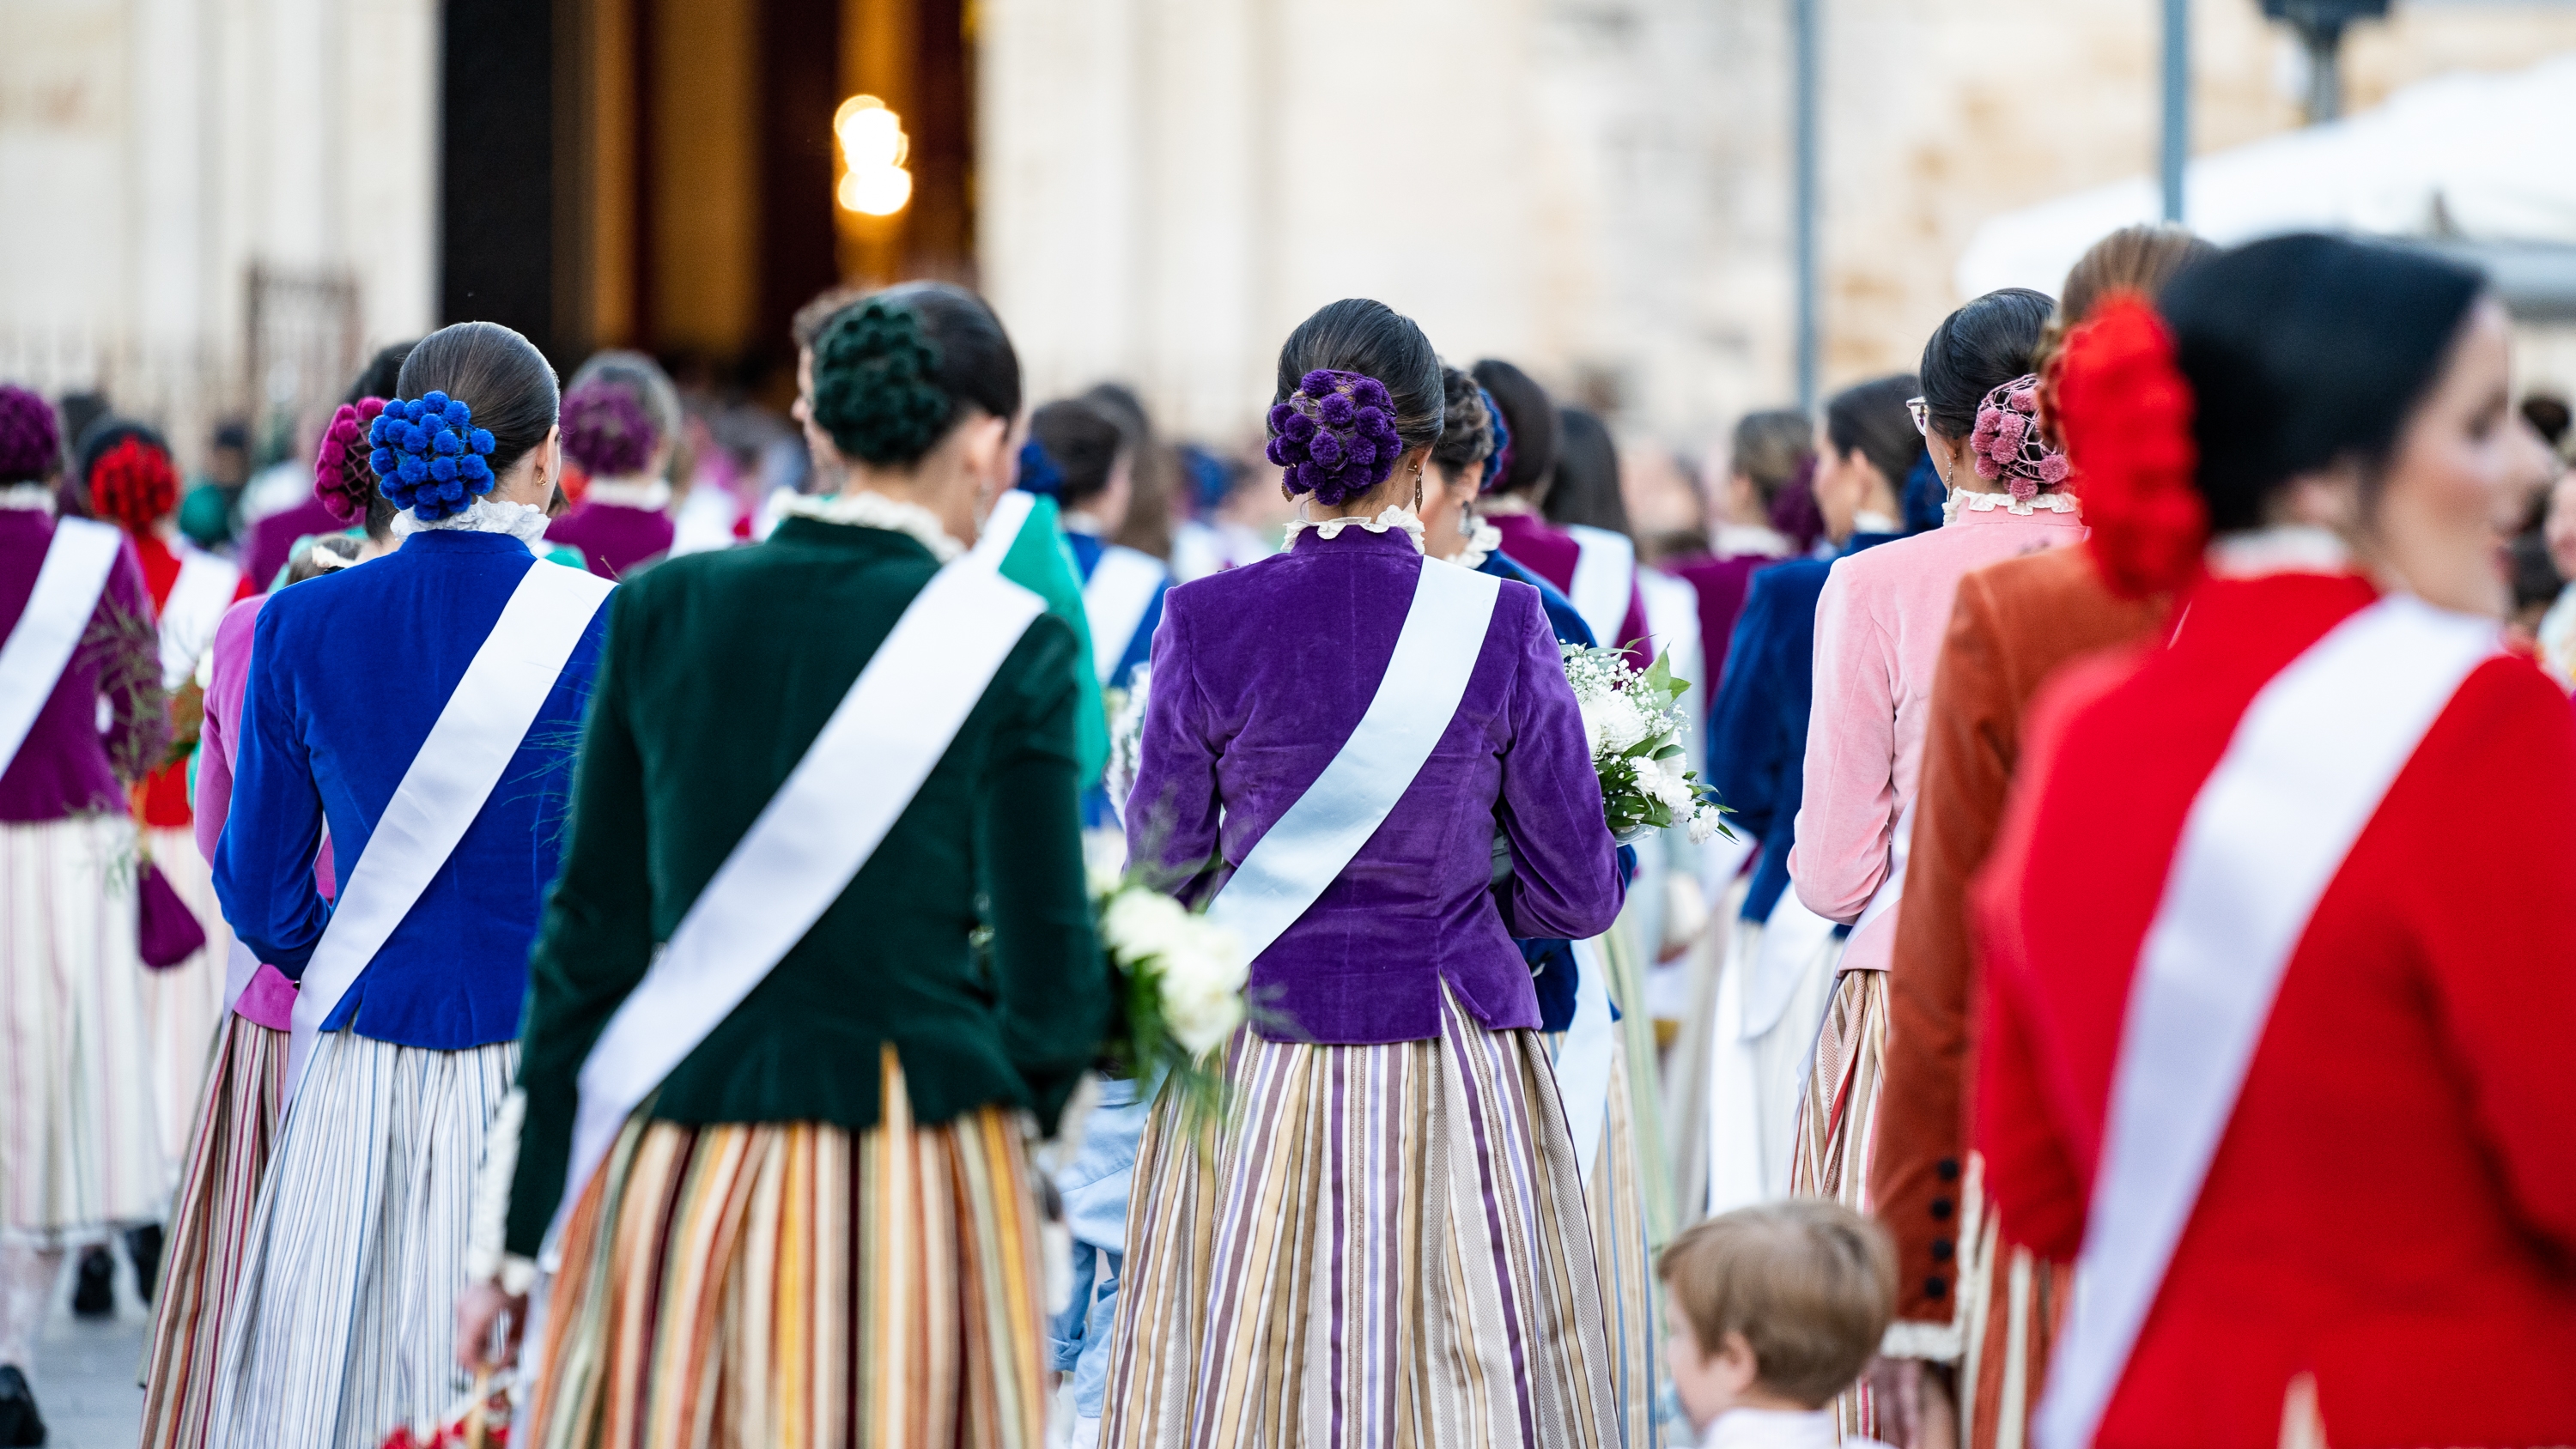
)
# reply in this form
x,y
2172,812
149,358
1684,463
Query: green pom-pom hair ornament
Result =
x,y
875,385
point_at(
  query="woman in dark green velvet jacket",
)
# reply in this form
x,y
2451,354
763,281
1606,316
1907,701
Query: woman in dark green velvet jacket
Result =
x,y
821,1228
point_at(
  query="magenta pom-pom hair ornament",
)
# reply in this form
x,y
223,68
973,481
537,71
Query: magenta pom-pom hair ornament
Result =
x,y
342,478
30,442
2007,444
429,456
1335,435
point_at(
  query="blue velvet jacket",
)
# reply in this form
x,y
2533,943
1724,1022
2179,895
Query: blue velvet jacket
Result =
x,y
348,672
1757,724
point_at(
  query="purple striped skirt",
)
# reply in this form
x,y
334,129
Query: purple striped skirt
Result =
x,y
1388,1245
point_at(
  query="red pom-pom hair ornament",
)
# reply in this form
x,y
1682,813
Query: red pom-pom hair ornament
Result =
x,y
134,484
2126,410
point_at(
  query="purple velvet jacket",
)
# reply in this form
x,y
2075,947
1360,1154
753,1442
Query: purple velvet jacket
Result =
x,y
613,537
1260,674
68,766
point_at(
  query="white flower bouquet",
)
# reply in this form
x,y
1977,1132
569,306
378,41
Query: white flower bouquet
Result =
x,y
1633,723
1179,980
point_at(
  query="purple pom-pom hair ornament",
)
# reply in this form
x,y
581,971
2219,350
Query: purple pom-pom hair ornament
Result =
x,y
31,442
429,457
1335,435
2007,445
342,477
606,431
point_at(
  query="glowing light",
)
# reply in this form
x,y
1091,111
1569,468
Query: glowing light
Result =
x,y
873,149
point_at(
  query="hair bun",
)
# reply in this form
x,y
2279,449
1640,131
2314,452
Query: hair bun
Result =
x,y
1335,435
428,455
134,484
342,480
876,388
30,440
1038,473
606,430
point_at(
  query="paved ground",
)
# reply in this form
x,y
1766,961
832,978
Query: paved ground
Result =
x,y
85,1371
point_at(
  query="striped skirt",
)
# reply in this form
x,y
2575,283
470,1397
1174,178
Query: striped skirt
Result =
x,y
236,1131
183,1007
801,1285
1624,1256
1388,1246
1838,1123
344,1324
2011,1308
79,1140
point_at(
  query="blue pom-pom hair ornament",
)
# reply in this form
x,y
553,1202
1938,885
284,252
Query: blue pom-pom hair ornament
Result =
x,y
1335,435
429,457
1038,473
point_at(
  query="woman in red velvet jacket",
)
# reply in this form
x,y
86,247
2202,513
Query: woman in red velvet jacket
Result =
x,y
2272,1044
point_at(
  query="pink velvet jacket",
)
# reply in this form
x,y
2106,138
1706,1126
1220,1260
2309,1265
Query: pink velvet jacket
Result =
x,y
1878,634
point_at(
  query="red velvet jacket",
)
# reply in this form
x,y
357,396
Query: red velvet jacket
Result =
x,y
2392,1207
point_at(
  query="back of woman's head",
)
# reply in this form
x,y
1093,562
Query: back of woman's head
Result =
x,y
618,412
131,479
2304,352
1770,446
1586,490
895,374
31,439
1979,348
1072,449
1375,341
2138,259
382,374
1466,428
498,374
1871,417
1358,387
1530,415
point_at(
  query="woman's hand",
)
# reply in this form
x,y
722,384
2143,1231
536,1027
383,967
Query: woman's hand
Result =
x,y
483,1309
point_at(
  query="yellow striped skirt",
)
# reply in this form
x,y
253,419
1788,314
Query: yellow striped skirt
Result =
x,y
1838,1124
795,1284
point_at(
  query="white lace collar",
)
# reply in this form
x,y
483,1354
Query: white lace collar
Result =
x,y
1870,520
2290,549
1962,500
34,497
1482,539
650,494
483,515
866,509
1394,517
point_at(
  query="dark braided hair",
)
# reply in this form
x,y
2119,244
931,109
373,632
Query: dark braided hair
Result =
x,y
894,374
1466,429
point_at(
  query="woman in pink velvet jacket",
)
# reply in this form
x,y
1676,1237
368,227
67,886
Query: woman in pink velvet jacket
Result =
x,y
1879,627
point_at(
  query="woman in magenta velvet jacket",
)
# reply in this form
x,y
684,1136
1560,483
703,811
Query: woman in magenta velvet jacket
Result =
x,y
1391,1222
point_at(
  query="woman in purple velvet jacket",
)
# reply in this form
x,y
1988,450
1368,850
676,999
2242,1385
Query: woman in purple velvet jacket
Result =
x,y
1388,1237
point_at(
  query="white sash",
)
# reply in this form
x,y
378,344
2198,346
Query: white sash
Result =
x,y
1122,587
41,643
806,845
1791,937
1605,574
2305,772
1002,526
1426,677
443,789
198,598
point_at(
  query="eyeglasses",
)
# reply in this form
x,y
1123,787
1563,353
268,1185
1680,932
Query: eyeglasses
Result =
x,y
1921,412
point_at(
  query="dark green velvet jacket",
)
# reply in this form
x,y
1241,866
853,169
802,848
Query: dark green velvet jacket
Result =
x,y
720,669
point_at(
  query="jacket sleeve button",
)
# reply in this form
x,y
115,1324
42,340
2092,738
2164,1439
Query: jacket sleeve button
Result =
x,y
1941,1250
1935,1288
1941,1208
1949,1169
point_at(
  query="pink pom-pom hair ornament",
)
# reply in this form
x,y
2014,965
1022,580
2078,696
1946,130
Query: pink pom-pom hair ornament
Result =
x,y
342,479
2008,446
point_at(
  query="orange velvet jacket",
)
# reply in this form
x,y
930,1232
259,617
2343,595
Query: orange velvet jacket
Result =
x,y
2014,623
